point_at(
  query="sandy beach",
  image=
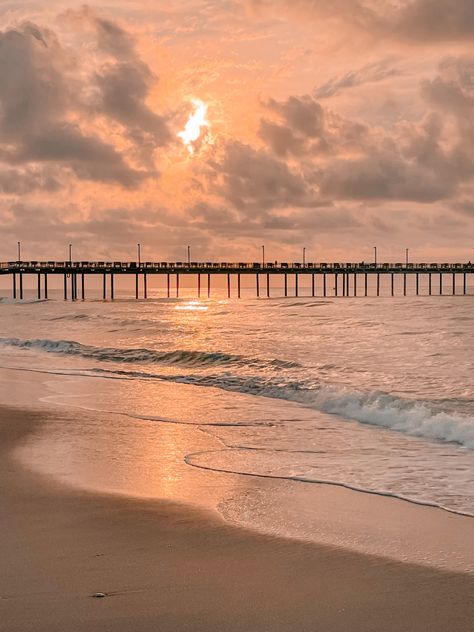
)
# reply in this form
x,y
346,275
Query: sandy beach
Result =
x,y
166,566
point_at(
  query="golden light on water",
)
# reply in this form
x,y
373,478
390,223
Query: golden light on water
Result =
x,y
191,306
193,128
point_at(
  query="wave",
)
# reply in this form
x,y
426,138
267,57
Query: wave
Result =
x,y
376,408
195,460
416,418
141,355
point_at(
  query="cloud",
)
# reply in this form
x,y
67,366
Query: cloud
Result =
x,y
435,20
253,181
415,21
424,162
45,110
452,90
124,82
370,73
24,181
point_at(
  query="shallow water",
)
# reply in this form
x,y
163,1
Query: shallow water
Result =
x,y
371,394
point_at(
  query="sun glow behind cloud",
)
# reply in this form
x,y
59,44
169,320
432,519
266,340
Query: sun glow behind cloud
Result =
x,y
193,128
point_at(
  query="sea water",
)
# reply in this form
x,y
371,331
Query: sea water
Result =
x,y
372,394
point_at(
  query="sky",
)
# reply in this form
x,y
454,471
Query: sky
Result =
x,y
334,125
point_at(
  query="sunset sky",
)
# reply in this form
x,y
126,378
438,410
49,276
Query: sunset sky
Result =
x,y
331,124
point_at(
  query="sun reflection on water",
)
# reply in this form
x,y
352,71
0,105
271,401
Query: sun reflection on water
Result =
x,y
192,306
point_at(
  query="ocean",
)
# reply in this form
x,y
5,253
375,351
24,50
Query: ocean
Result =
x,y
371,394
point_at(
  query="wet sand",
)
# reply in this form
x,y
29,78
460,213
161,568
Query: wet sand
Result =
x,y
165,566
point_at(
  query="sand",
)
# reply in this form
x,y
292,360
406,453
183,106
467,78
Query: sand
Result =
x,y
166,566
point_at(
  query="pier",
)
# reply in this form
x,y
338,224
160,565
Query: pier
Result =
x,y
327,279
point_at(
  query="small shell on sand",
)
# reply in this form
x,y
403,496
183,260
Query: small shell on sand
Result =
x,y
99,595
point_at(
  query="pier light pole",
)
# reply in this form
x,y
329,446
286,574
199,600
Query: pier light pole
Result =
x,y
189,256
375,256
406,256
70,253
304,257
263,256
139,254
19,251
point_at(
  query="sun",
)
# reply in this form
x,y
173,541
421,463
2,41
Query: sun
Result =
x,y
193,128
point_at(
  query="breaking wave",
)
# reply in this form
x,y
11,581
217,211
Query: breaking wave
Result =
x,y
137,355
426,419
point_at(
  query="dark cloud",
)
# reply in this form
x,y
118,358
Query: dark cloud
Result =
x,y
452,89
436,20
302,127
124,88
305,128
252,180
41,96
423,162
416,21
384,176
24,181
370,73
124,83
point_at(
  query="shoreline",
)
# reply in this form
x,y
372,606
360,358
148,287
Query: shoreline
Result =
x,y
169,566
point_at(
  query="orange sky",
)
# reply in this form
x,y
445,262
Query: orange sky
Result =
x,y
335,125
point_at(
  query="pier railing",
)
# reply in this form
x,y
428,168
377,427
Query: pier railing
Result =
x,y
224,267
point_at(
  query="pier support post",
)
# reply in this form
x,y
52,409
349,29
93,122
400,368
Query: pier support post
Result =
x,y
65,287
39,285
440,283
429,284
21,286
104,287
312,284
83,286
208,286
324,284
343,284
335,283
464,283
366,283
136,285
257,285
404,284
417,290
392,283
168,285
286,284
73,293
111,286
199,285
14,285
228,285
145,288
45,285
454,283
296,284
355,283
238,285
177,285
378,284
268,285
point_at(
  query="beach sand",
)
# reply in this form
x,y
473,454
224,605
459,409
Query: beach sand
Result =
x,y
167,566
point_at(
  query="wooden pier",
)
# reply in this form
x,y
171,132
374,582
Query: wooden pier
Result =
x,y
327,279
